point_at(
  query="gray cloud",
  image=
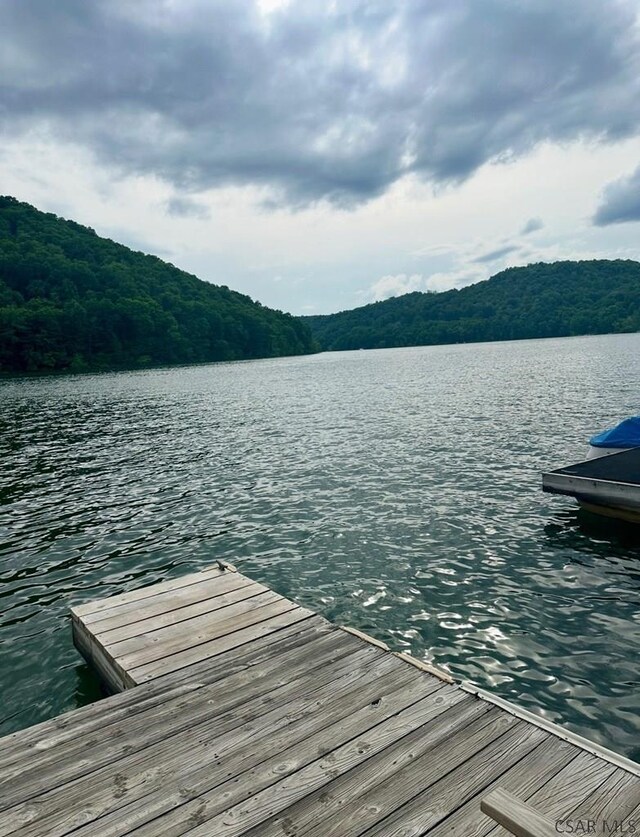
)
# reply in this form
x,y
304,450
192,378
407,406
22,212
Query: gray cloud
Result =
x,y
532,225
317,100
620,201
494,255
185,207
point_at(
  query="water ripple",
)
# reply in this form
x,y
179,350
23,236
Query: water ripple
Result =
x,y
396,491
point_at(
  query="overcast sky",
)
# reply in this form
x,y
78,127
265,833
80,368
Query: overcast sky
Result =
x,y
321,155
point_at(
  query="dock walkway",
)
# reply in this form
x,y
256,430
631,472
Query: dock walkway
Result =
x,y
240,713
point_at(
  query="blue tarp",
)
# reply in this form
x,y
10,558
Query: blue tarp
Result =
x,y
625,435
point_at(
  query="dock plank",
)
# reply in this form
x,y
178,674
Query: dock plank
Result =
x,y
403,707
430,806
178,605
364,797
22,745
149,647
176,714
207,650
88,610
239,712
147,768
308,796
613,801
631,825
516,816
522,780
567,789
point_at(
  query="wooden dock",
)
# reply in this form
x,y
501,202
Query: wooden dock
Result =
x,y
237,712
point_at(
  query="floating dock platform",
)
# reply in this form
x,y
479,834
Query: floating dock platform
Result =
x,y
608,485
238,712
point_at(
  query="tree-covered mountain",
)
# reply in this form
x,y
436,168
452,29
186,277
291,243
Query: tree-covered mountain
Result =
x,y
540,300
72,300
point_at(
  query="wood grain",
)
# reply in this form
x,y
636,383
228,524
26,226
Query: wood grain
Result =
x,y
241,713
517,817
88,610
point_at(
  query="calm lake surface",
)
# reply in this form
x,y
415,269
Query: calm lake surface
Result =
x,y
396,491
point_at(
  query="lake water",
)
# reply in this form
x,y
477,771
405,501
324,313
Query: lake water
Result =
x,y
396,491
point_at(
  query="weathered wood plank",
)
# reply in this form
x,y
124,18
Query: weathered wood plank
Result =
x,y
207,650
611,802
516,816
178,638
430,806
146,647
88,609
22,744
213,788
526,777
174,714
567,789
293,799
194,599
630,827
159,765
489,747
124,674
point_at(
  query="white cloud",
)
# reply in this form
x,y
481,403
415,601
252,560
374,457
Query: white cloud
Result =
x,y
388,286
267,7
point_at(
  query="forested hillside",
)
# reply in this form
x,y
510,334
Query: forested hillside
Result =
x,y
541,300
72,300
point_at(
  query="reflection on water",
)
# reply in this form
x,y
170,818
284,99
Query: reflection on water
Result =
x,y
579,529
396,491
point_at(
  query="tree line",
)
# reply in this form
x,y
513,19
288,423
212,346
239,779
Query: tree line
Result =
x,y
541,300
71,300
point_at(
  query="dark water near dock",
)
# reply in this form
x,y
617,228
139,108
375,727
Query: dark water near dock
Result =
x,y
396,491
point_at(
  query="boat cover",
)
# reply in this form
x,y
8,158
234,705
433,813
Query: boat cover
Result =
x,y
625,435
